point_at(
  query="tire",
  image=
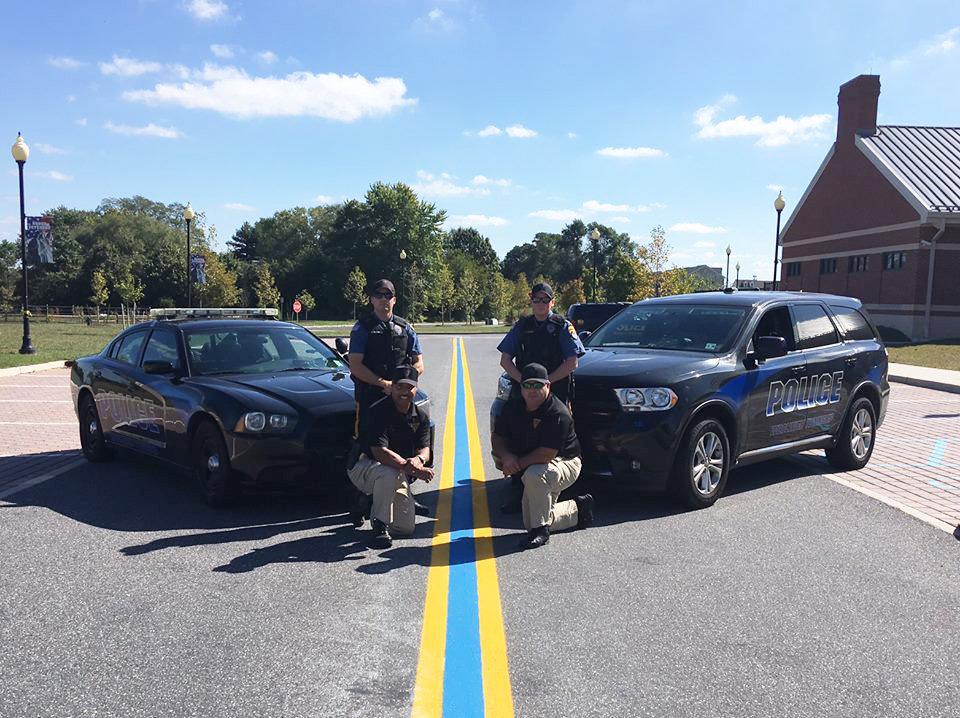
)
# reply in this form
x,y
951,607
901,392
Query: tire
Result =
x,y
698,486
211,466
856,439
92,440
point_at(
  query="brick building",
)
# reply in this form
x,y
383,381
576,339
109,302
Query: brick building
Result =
x,y
881,220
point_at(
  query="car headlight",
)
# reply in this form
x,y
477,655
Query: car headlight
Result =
x,y
646,398
504,387
258,422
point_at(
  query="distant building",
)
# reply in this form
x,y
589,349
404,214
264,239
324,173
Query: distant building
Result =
x,y
881,219
760,284
712,277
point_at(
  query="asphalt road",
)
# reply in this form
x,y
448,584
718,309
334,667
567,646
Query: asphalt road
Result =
x,y
122,595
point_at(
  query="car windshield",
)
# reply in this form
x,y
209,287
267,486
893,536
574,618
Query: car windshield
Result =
x,y
257,350
684,327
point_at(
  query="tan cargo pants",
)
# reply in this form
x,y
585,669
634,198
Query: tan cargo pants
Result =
x,y
392,500
542,484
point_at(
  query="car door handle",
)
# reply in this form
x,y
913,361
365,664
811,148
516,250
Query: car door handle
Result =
x,y
798,369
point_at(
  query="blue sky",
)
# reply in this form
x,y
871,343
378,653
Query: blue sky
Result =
x,y
512,116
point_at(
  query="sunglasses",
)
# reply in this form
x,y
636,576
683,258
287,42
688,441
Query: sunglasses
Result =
x,y
532,384
540,300
383,295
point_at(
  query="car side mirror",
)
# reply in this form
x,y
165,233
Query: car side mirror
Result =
x,y
341,346
584,335
769,348
158,367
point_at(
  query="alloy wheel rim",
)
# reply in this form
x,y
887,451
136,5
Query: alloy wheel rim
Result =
x,y
707,464
861,434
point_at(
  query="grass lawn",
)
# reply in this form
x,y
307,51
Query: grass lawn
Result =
x,y
53,341
940,355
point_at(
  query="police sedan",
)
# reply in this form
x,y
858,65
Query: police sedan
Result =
x,y
235,396
675,392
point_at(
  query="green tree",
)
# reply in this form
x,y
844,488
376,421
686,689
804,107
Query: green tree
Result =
x,y
498,299
8,274
307,302
473,244
519,298
655,255
570,293
470,291
679,281
220,289
627,279
130,291
264,292
355,289
98,290
442,297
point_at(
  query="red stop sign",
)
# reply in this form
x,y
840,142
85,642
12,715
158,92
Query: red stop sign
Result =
x,y
297,306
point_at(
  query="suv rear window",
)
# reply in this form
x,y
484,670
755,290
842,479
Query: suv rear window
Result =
x,y
591,316
814,326
853,324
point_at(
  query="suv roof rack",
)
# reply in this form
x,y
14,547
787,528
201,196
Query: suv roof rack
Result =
x,y
213,313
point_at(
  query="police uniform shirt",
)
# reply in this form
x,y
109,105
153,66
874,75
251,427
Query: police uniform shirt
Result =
x,y
570,344
550,426
359,335
403,434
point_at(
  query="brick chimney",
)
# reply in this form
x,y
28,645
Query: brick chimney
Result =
x,y
857,109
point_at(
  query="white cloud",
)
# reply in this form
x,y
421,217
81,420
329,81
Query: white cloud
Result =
x,y
572,135
490,131
940,46
520,131
443,186
55,175
65,63
592,205
224,52
630,153
208,9
267,56
435,21
231,91
45,149
324,199
704,244
621,220
773,133
129,67
477,220
71,98
556,215
239,207
775,187
81,121
151,130
480,180
695,228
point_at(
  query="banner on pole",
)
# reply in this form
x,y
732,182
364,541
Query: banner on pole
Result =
x,y
39,240
198,266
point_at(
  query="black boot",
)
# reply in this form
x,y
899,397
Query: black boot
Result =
x,y
360,508
535,538
420,509
584,510
381,535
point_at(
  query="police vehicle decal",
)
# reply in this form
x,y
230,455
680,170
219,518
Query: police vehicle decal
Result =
x,y
806,393
139,417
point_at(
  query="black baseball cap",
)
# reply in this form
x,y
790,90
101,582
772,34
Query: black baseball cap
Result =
x,y
382,284
405,375
542,287
535,372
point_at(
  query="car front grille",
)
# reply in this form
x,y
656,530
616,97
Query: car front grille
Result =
x,y
595,411
331,436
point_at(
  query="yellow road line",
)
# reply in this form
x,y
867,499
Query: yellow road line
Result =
x,y
497,692
428,691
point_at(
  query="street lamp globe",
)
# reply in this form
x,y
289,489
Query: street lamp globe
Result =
x,y
595,235
779,203
188,213
729,251
20,151
403,255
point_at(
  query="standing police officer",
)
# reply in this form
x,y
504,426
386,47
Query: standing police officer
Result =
x,y
542,338
379,342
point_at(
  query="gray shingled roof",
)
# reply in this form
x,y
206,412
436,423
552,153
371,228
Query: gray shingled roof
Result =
x,y
925,160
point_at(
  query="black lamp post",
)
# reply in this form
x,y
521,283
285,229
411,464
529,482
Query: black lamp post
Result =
x,y
20,153
188,215
595,245
778,204
737,282
403,277
726,282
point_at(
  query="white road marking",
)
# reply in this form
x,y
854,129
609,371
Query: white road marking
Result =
x,y
33,481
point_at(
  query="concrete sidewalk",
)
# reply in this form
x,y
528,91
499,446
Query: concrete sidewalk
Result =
x,y
940,379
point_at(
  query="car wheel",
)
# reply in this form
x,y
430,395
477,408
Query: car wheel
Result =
x,y
211,465
702,464
856,438
92,441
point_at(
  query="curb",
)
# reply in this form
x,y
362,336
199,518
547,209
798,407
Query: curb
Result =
x,y
926,383
30,368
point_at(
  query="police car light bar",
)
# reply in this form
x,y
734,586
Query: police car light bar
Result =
x,y
213,313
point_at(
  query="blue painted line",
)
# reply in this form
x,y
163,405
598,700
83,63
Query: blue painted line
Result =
x,y
463,675
936,456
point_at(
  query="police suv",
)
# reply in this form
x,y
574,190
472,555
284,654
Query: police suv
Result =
x,y
675,392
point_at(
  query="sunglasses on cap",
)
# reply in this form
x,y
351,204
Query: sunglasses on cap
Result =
x,y
540,300
533,384
383,295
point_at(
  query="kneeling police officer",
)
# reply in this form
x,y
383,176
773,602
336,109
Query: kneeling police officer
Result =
x,y
534,439
396,448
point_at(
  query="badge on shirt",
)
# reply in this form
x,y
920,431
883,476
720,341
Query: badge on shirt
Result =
x,y
550,328
415,423
573,332
536,423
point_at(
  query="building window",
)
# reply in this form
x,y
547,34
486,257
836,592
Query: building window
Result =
x,y
828,266
894,260
793,269
858,264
